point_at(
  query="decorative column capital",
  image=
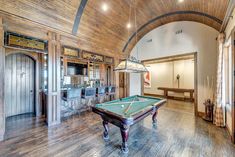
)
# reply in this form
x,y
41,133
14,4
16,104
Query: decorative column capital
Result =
x,y
221,38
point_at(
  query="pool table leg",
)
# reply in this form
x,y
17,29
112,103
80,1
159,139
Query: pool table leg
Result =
x,y
125,134
154,117
106,129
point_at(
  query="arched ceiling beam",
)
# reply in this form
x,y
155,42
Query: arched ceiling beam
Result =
x,y
78,16
167,15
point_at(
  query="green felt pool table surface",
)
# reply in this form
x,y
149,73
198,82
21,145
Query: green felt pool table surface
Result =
x,y
129,106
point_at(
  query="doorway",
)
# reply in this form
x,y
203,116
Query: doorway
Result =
x,y
124,84
174,78
19,85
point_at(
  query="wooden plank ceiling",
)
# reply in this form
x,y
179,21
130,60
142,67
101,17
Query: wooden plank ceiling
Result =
x,y
106,31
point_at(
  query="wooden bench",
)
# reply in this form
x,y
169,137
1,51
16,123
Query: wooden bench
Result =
x,y
177,90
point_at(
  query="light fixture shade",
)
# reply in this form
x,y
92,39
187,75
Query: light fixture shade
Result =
x,y
130,66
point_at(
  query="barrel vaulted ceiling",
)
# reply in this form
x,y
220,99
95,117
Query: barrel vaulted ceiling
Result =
x,y
107,30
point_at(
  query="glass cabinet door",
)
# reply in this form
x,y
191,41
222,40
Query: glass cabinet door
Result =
x,y
94,72
45,72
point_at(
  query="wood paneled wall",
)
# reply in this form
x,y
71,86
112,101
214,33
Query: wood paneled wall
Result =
x,y
2,68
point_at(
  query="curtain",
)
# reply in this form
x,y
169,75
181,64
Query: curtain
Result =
x,y
219,110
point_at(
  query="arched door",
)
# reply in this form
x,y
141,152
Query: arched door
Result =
x,y
19,84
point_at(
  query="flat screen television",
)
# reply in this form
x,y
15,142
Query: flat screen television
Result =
x,y
76,69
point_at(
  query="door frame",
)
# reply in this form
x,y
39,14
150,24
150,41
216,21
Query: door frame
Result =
x,y
231,37
35,58
195,54
233,84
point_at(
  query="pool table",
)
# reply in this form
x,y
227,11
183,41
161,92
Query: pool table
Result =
x,y
126,112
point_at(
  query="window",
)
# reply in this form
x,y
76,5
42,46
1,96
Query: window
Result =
x,y
227,76
44,71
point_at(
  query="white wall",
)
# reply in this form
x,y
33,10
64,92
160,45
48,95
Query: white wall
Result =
x,y
135,84
196,37
161,75
135,87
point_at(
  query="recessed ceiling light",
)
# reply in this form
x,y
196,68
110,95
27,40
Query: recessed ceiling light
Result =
x,y
128,25
180,1
105,7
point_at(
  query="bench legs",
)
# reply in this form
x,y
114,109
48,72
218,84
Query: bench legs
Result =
x,y
191,96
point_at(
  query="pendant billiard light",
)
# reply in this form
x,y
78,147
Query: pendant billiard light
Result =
x,y
131,64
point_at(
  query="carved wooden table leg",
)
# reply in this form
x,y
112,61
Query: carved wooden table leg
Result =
x,y
154,116
106,129
125,134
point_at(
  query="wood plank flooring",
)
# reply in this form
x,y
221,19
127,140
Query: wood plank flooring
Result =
x,y
178,134
181,106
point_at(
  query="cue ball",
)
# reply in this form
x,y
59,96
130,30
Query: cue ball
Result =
x,y
122,106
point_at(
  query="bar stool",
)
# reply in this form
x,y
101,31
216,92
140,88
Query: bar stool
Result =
x,y
88,97
101,93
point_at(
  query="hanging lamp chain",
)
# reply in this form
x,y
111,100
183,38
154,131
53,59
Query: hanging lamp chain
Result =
x,y
136,32
128,30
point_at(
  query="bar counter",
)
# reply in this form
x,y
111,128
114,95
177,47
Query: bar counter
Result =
x,y
79,99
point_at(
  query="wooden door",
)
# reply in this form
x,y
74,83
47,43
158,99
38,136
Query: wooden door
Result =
x,y
19,84
108,76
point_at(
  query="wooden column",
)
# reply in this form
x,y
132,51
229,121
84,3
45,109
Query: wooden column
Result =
x,y
2,77
127,85
116,77
53,101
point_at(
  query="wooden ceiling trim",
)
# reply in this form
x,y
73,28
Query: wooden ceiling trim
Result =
x,y
78,16
168,15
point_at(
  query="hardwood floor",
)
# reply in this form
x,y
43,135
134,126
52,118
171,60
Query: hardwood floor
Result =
x,y
177,134
181,106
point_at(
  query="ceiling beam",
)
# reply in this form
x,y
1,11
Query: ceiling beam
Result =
x,y
228,14
167,15
78,16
